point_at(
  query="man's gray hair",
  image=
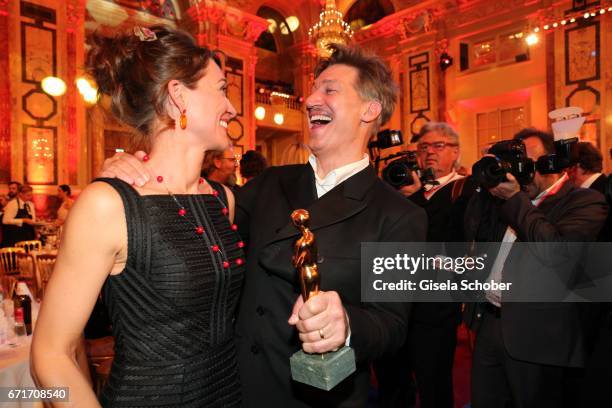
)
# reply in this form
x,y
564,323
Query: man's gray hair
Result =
x,y
442,128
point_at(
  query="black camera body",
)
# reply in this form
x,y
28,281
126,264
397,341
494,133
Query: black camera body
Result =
x,y
398,172
510,157
565,156
387,138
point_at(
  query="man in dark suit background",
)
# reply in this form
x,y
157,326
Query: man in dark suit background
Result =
x,y
586,173
597,376
353,95
522,349
432,332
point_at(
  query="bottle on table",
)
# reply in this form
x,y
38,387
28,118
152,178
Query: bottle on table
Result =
x,y
23,310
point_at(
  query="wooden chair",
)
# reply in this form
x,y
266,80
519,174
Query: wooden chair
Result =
x,y
44,269
8,260
9,283
27,271
32,245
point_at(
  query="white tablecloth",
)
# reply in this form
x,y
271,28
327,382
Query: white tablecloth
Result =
x,y
15,370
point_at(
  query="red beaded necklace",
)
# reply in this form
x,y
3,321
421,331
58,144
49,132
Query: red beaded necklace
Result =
x,y
199,229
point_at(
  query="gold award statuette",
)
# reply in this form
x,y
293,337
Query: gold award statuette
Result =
x,y
327,370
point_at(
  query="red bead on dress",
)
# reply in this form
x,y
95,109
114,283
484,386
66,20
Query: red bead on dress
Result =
x,y
182,212
225,211
239,261
234,227
215,193
240,244
215,248
226,264
200,230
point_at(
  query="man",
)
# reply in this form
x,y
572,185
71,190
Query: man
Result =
x,y
252,164
586,173
353,95
522,349
430,347
19,218
13,189
221,166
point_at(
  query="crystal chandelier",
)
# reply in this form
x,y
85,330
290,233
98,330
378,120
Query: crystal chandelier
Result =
x,y
330,29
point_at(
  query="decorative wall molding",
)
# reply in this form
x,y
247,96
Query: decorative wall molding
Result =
x,y
5,95
420,93
75,17
230,20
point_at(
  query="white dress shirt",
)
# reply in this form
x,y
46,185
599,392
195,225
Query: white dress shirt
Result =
x,y
10,212
430,190
336,176
331,180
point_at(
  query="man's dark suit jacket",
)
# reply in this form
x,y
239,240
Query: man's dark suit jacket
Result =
x,y
601,184
360,209
542,333
445,224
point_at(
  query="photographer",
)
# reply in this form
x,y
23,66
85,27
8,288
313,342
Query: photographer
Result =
x,y
522,349
431,341
586,173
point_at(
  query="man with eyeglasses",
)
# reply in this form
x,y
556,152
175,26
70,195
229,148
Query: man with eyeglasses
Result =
x,y
221,166
431,340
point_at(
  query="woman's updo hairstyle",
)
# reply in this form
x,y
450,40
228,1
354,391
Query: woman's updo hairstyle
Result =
x,y
134,69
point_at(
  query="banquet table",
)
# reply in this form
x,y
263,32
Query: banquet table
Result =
x,y
15,365
15,370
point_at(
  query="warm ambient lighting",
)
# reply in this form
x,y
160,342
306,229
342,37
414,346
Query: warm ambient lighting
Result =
x,y
272,26
260,113
330,29
279,119
532,39
53,86
89,93
293,22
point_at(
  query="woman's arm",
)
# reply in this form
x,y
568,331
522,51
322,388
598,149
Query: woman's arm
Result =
x,y
94,244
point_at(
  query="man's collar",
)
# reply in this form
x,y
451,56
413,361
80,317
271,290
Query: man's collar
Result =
x,y
552,190
588,182
336,176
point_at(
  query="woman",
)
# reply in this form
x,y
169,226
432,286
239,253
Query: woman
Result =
x,y
64,194
166,255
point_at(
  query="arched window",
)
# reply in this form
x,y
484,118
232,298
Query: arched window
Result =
x,y
278,36
366,12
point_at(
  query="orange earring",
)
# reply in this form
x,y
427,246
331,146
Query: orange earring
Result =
x,y
183,119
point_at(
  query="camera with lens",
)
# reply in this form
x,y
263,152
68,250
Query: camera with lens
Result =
x,y
387,138
398,171
565,129
509,156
